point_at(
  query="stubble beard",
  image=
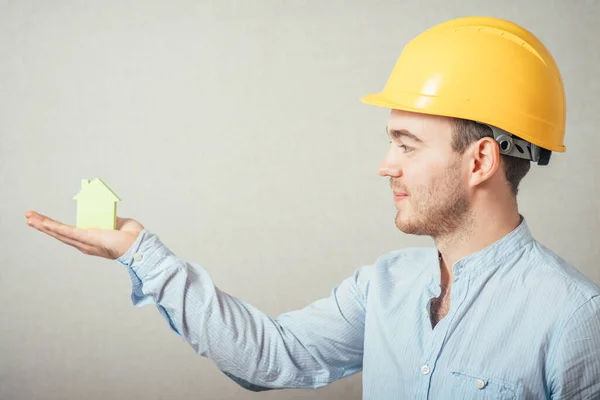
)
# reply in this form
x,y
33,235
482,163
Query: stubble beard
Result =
x,y
438,210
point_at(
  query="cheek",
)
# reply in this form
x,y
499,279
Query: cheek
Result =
x,y
419,176
430,185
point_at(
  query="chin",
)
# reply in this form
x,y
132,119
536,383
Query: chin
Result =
x,y
405,225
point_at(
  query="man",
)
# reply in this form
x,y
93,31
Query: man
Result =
x,y
487,313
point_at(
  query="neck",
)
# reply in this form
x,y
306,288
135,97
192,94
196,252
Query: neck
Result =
x,y
481,228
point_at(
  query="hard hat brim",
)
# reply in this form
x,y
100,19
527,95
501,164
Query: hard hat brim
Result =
x,y
380,100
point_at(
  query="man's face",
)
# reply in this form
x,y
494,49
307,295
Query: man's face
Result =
x,y
426,176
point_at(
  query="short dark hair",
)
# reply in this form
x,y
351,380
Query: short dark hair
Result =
x,y
465,132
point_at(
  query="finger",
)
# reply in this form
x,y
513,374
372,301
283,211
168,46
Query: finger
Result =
x,y
64,230
83,247
120,222
33,214
47,225
39,217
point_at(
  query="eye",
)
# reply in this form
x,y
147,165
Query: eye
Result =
x,y
405,148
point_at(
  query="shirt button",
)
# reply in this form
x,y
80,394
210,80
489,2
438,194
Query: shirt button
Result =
x,y
425,369
479,383
137,256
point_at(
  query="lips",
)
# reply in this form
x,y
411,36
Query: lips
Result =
x,y
399,196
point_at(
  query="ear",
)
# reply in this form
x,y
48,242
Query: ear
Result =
x,y
485,161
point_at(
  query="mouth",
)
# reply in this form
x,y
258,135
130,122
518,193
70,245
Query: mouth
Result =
x,y
399,196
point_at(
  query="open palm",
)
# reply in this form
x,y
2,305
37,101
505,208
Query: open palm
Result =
x,y
106,243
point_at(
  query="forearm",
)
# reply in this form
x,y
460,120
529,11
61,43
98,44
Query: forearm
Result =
x,y
241,340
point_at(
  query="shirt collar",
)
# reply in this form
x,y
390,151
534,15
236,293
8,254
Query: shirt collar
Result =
x,y
495,253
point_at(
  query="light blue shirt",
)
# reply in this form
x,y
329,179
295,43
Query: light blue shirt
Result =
x,y
523,324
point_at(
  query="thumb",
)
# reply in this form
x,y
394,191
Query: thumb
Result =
x,y
128,225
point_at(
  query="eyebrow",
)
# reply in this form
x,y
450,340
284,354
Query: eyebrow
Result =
x,y
398,133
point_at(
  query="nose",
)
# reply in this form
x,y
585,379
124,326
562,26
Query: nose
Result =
x,y
389,166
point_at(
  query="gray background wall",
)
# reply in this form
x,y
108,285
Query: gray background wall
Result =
x,y
234,130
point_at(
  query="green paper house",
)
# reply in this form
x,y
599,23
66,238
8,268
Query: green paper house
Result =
x,y
96,205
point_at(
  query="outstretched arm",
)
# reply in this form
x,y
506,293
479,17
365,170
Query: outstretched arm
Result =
x,y
306,348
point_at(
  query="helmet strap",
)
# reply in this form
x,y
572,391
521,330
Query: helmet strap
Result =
x,y
513,146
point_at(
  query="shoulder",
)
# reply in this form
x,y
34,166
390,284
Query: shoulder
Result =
x,y
559,274
407,257
396,264
406,264
562,291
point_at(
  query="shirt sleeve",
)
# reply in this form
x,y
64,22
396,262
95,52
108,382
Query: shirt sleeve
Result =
x,y
575,362
305,348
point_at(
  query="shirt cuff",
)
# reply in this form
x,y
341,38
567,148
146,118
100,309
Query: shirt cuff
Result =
x,y
143,256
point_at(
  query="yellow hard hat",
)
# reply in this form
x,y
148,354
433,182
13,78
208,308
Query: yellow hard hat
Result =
x,y
487,70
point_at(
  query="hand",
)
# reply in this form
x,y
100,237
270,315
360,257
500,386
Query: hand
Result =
x,y
106,243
